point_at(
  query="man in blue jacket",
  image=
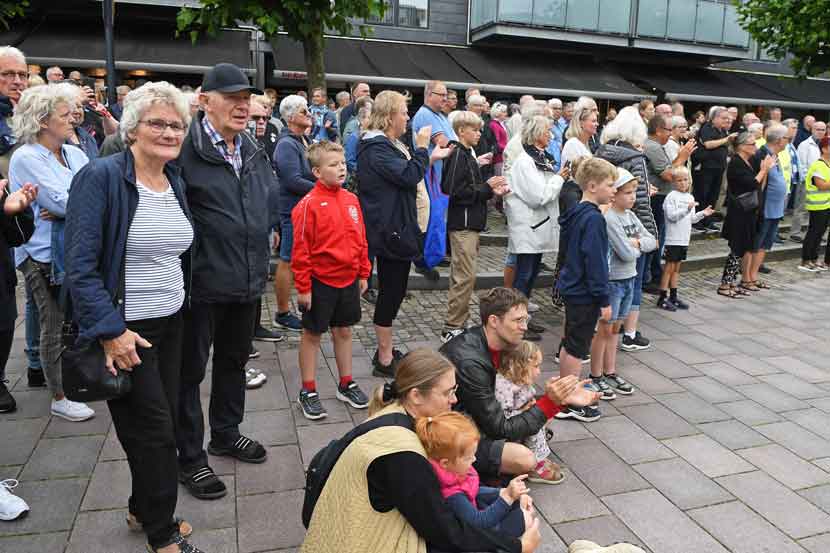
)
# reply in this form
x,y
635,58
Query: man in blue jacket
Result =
x,y
227,176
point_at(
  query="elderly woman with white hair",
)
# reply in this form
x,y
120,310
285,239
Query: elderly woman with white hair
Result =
x,y
498,115
42,123
128,230
532,206
623,140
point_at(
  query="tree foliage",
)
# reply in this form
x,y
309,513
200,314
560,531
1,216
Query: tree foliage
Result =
x,y
796,28
10,10
305,21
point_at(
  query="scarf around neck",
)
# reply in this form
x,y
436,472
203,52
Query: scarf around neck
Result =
x,y
543,160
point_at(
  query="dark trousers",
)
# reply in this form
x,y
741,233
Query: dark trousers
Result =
x,y
6,338
815,230
707,183
144,421
229,328
393,278
657,255
527,269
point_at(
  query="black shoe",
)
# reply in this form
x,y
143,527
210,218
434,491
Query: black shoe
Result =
x,y
310,404
532,336
598,384
184,546
535,327
36,378
243,449
371,296
619,384
384,371
666,305
680,304
712,227
638,343
701,227
253,353
203,483
7,402
288,321
429,274
262,334
353,395
444,262
584,414
763,269
796,238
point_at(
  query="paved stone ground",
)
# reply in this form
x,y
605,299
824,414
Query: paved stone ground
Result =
x,y
724,447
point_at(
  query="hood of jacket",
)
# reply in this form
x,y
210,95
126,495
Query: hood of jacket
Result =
x,y
377,141
618,152
571,218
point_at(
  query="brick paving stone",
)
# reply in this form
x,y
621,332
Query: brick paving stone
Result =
x,y
708,456
599,468
741,530
628,440
682,484
733,434
42,543
749,412
19,439
603,530
216,513
649,380
726,374
658,421
750,365
551,542
112,450
97,531
771,397
282,471
795,386
785,466
571,500
109,487
781,506
797,439
269,427
665,364
798,368
284,528
814,420
692,408
54,504
99,424
818,496
671,532
823,463
569,429
32,403
817,544
709,389
313,438
63,457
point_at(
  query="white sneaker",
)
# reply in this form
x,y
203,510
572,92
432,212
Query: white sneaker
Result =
x,y
71,410
11,506
254,378
532,307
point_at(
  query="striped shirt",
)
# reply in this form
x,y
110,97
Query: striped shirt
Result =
x,y
235,158
158,235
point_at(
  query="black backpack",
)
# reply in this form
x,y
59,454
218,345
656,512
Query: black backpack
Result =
x,y
324,460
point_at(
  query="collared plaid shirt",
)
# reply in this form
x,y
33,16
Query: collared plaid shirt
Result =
x,y
235,158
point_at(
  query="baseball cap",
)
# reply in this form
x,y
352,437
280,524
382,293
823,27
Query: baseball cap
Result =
x,y
623,177
227,78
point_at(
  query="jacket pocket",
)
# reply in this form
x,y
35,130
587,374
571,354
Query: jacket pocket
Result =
x,y
540,223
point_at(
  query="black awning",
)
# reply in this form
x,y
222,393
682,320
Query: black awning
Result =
x,y
730,87
491,69
81,44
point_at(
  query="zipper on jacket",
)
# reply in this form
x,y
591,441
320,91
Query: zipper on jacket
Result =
x,y
540,223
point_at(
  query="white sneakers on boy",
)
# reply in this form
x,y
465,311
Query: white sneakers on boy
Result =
x,y
71,410
11,506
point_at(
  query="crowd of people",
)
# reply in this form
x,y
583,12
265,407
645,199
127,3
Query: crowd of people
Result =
x,y
150,224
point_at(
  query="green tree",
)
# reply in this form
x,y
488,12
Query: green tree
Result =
x,y
10,10
796,28
303,20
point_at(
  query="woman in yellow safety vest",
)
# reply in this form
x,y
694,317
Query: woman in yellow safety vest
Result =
x,y
817,202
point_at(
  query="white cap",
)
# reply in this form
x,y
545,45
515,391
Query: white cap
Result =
x,y
623,177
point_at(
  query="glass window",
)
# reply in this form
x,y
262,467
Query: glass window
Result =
x,y
549,12
614,16
709,25
583,14
733,34
651,18
404,13
682,15
517,11
484,12
388,16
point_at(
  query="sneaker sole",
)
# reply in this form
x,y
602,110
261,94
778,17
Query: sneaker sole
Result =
x,y
380,374
230,453
11,409
608,398
583,418
807,270
71,419
312,417
254,386
345,399
22,515
254,355
537,480
272,340
202,495
634,348
287,328
628,393
585,361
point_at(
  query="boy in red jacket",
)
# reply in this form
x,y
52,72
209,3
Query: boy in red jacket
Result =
x,y
330,263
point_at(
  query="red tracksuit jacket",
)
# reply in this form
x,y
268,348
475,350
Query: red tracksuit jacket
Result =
x,y
329,239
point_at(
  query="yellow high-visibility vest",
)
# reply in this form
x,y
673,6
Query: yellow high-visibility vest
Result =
x,y
817,200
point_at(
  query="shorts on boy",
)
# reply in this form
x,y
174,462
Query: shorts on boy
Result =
x,y
286,238
511,260
673,254
332,307
621,295
580,325
767,232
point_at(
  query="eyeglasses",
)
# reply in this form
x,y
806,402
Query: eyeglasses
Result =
x,y
303,112
444,95
449,393
10,75
158,126
668,129
260,117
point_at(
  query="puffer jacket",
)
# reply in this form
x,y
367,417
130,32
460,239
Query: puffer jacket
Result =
x,y
476,377
532,207
624,155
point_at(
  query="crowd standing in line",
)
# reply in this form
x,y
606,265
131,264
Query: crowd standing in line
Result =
x,y
342,190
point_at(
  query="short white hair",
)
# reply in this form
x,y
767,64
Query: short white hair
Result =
x,y
790,122
627,126
585,102
36,105
497,109
678,121
776,132
476,99
342,95
290,105
555,103
757,128
12,52
534,129
138,101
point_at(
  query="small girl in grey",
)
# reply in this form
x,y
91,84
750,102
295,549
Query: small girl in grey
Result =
x,y
515,393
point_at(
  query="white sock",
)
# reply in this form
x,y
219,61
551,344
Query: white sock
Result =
x,y
631,335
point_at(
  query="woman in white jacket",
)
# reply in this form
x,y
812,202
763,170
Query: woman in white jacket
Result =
x,y
532,207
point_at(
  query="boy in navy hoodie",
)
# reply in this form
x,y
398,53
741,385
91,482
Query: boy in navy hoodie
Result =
x,y
583,282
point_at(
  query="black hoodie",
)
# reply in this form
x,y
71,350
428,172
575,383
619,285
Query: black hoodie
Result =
x,y
584,277
463,182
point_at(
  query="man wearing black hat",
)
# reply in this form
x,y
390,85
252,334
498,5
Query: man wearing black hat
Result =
x,y
228,175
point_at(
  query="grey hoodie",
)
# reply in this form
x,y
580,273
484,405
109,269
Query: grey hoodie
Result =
x,y
622,227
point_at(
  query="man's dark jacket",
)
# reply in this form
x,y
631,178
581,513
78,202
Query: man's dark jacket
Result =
x,y
100,210
476,377
463,182
230,218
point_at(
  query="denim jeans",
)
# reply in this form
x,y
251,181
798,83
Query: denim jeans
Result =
x,y
657,256
638,283
527,269
32,331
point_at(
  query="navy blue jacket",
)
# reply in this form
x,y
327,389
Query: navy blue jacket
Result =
x,y
293,171
388,186
101,207
584,277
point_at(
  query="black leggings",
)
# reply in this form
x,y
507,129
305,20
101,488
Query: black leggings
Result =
x,y
6,339
812,241
393,276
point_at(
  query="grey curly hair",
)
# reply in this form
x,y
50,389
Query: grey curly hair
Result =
x,y
36,105
138,101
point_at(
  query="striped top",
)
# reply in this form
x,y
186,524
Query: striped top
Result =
x,y
158,235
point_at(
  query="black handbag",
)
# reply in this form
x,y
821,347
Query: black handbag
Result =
x,y
748,201
84,366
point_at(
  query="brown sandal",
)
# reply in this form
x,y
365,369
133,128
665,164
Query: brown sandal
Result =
x,y
749,285
742,293
728,293
762,285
